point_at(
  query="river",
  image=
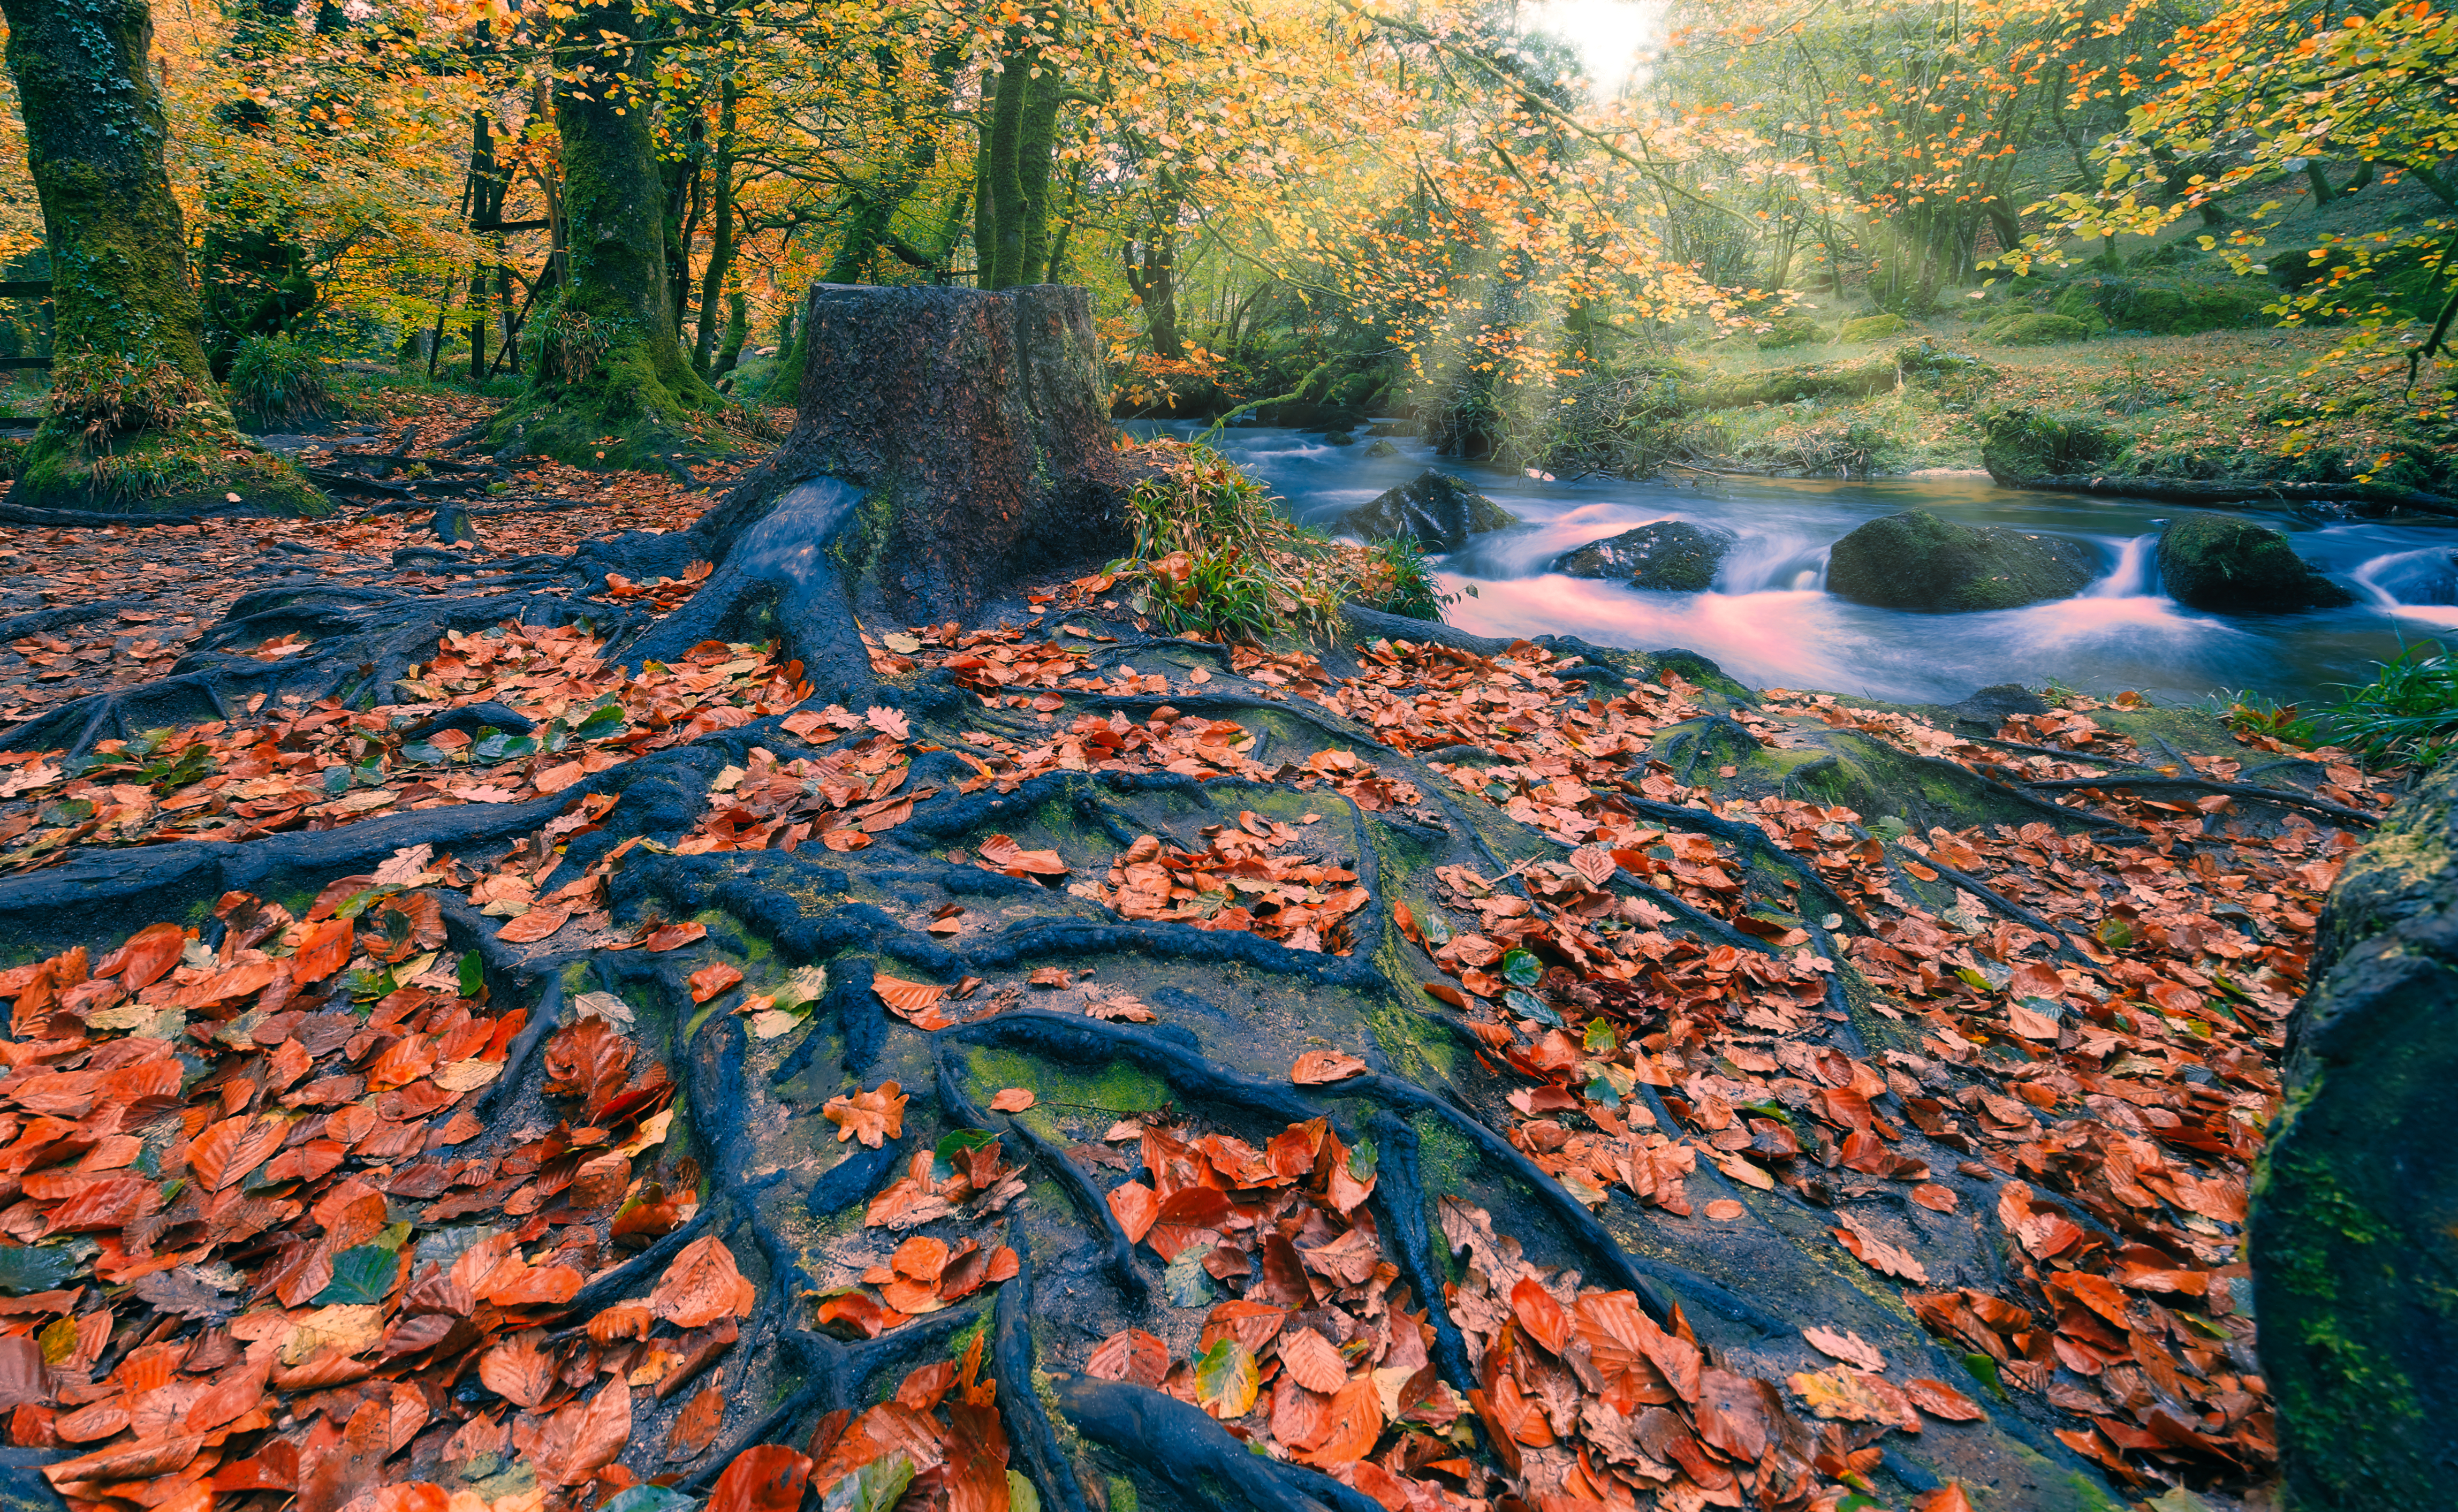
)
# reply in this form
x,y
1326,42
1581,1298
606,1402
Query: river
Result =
x,y
1770,622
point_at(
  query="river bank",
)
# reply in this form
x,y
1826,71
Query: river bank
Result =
x,y
1768,620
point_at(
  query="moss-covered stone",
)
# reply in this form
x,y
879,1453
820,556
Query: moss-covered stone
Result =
x,y
2077,306
2222,562
2020,446
1786,386
1872,328
1671,555
1791,328
1439,510
1915,560
2356,1205
2031,328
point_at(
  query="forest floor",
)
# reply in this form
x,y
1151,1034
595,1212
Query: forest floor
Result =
x,y
2021,1137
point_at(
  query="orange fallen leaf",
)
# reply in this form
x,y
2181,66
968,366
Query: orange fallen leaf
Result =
x,y
871,1117
1315,1068
1012,1100
709,980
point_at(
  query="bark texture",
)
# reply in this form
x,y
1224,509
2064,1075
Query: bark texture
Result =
x,y
948,439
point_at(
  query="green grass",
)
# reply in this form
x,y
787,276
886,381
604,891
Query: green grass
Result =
x,y
2406,714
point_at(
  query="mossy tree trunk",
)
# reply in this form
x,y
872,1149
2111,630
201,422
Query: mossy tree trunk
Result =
x,y
1012,182
614,385
137,421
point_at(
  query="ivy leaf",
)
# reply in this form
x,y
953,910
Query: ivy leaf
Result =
x,y
1226,1379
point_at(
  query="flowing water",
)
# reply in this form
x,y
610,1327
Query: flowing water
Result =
x,y
1770,622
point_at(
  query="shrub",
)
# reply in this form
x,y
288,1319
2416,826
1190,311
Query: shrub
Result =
x,y
1397,581
274,379
1214,557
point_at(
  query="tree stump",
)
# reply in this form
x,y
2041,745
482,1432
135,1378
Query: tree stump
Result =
x,y
946,440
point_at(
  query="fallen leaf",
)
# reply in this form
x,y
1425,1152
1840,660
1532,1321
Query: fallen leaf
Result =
x,y
1315,1068
872,1117
1012,1100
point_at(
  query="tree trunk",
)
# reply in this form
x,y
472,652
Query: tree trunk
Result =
x,y
946,440
612,384
137,421
1153,279
720,230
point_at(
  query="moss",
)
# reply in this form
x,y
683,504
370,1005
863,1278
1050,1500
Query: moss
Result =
x,y
1118,1088
1121,1494
1786,386
1916,560
2021,444
1792,328
2028,329
1872,328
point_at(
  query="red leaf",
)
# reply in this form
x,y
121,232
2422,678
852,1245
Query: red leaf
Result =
x,y
1130,1355
1316,1067
1543,1317
1187,1213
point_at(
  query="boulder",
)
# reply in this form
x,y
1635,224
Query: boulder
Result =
x,y
1438,509
1791,328
2029,328
1986,711
1873,328
1914,559
1381,447
1340,438
2225,562
1671,555
2357,1196
2020,447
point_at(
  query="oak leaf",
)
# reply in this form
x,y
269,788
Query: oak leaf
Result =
x,y
872,1117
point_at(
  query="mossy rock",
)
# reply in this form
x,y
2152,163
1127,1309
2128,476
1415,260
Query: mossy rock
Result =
x,y
2355,1271
1789,386
2222,562
1791,328
2019,445
1381,447
2185,311
2077,306
1673,556
1873,328
2032,329
1436,507
1917,561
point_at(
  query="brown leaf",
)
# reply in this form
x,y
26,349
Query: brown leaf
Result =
x,y
1850,1347
1184,1215
1356,1415
700,1286
872,1117
586,1436
694,1427
1004,854
1939,1400
530,927
1316,1067
518,1370
1012,1100
1545,1319
1130,1355
674,937
1312,1362
711,979
764,1477
1136,1209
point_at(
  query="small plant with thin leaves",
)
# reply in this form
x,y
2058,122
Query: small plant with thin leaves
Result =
x,y
2407,714
2248,713
274,379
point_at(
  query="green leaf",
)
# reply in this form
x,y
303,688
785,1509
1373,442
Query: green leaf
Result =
x,y
604,721
875,1487
1599,1038
1984,1368
358,903
2113,932
336,780
1363,1159
1186,1283
473,975
1521,969
362,1275
1021,1497
555,735
25,1268
429,756
1225,1379
1528,1005
647,1498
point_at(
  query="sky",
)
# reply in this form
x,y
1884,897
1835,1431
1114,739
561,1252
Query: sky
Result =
x,y
1607,32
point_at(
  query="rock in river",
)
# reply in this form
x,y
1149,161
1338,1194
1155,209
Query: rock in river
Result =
x,y
1673,555
1442,512
2221,561
1914,559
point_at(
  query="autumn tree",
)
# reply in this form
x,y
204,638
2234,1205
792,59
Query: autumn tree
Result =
x,y
135,420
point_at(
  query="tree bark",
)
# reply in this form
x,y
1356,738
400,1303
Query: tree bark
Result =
x,y
612,384
137,421
720,228
946,440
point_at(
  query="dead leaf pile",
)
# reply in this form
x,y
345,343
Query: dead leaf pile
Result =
x,y
841,798
1244,879
321,766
